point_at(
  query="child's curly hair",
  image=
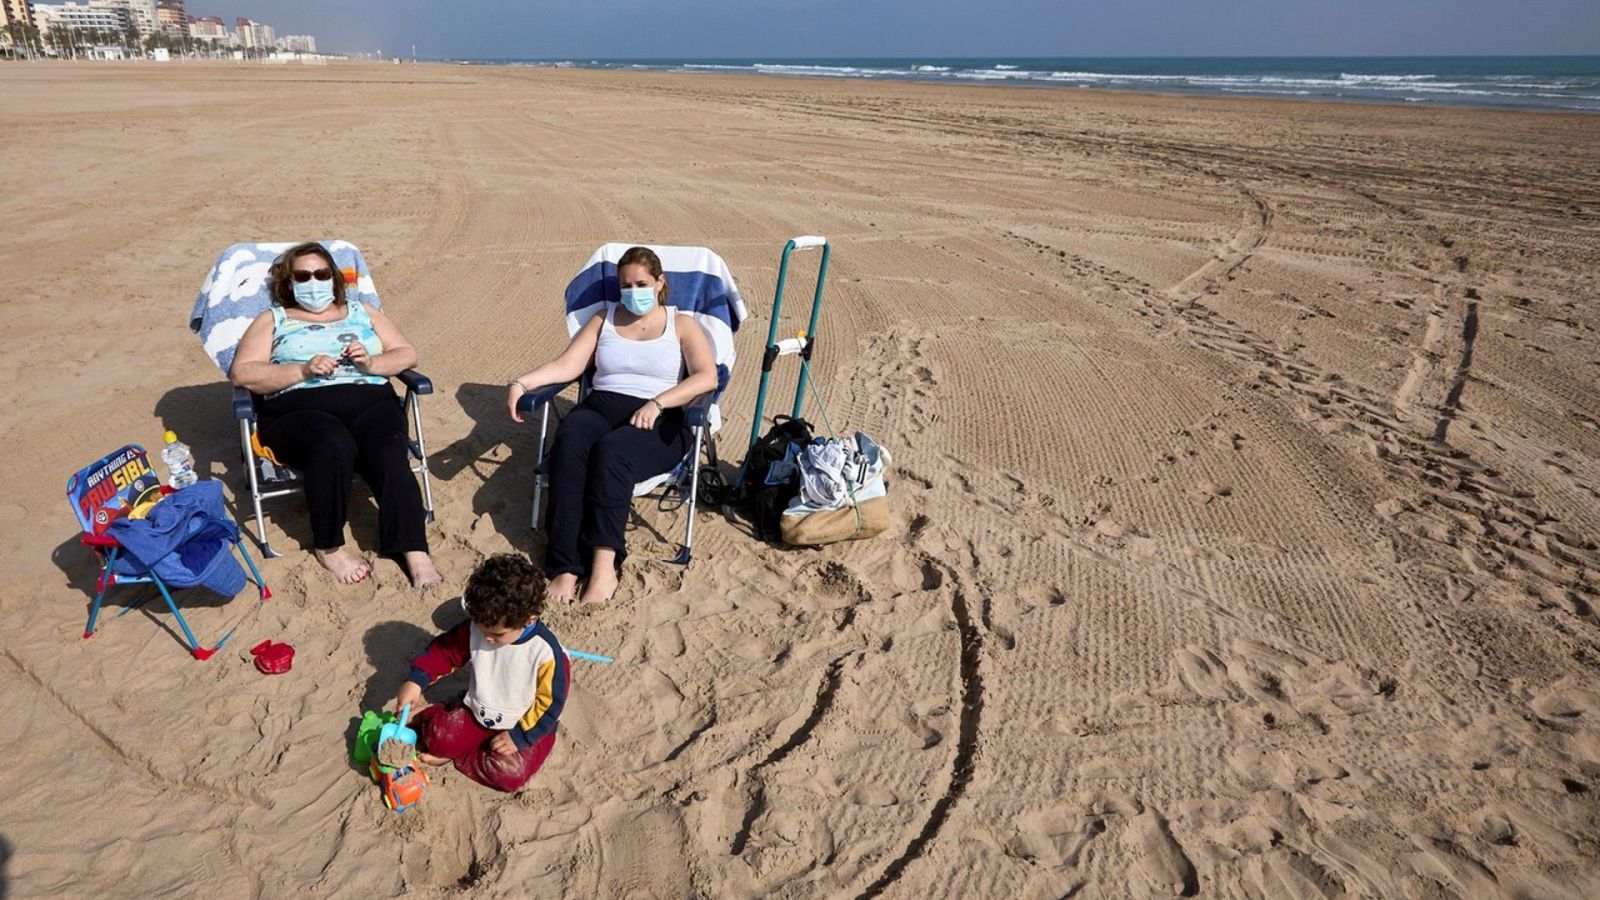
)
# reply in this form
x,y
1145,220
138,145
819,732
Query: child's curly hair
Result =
x,y
506,590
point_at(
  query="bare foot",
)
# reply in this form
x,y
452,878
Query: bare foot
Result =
x,y
420,565
562,589
601,586
428,759
347,568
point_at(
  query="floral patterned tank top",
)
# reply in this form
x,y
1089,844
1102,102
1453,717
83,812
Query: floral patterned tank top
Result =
x,y
295,342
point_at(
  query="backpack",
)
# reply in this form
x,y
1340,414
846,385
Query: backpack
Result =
x,y
772,475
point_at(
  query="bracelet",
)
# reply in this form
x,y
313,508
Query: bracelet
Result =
x,y
518,383
659,407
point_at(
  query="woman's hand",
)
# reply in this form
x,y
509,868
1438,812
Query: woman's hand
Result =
x,y
355,353
321,365
514,392
645,416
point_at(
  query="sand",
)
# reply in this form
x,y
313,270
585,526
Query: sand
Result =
x,y
1246,466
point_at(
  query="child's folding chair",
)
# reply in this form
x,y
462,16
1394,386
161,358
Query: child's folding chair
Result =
x,y
699,284
189,538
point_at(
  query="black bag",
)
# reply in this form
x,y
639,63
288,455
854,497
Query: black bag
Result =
x,y
769,484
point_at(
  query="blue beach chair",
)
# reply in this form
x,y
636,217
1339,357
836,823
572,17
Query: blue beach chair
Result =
x,y
700,285
109,494
234,292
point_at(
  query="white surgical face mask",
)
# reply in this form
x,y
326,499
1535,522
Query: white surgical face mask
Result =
x,y
314,296
639,300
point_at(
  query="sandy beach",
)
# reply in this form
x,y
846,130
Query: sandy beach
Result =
x,y
1246,491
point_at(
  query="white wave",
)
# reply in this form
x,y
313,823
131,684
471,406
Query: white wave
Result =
x,y
830,71
991,75
1273,91
1004,66
933,68
1545,85
1345,76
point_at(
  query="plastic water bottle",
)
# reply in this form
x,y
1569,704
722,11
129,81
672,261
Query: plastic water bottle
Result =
x,y
180,462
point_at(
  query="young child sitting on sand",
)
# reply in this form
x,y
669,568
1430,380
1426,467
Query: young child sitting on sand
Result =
x,y
503,728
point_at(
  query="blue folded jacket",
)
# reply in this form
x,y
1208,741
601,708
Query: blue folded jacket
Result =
x,y
185,540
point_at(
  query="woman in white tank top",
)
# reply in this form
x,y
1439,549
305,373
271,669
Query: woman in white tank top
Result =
x,y
649,362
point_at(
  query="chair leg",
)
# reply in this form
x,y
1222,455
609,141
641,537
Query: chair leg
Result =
x,y
422,450
261,583
539,479
682,558
106,562
255,489
194,645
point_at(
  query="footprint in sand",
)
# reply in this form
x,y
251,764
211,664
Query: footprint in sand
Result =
x,y
665,641
1286,873
1053,837
917,723
1204,673
666,700
872,795
1162,860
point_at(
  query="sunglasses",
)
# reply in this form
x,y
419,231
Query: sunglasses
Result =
x,y
301,276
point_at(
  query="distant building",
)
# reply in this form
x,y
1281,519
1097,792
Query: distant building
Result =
x,y
171,18
142,13
298,43
253,35
208,28
94,17
84,31
16,22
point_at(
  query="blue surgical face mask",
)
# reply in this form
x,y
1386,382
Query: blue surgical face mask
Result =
x,y
314,296
639,300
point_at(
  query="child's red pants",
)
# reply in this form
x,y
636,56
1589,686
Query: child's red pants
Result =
x,y
451,731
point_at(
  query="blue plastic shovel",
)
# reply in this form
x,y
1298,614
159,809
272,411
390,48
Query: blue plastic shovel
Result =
x,y
397,730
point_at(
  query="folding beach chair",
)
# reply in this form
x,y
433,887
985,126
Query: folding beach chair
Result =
x,y
700,285
122,486
234,292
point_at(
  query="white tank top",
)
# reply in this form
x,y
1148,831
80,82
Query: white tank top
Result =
x,y
640,369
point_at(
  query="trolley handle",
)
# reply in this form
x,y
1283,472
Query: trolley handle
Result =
x,y
808,241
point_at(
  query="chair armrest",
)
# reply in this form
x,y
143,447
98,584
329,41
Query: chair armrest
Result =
x,y
244,405
97,540
699,409
416,382
532,400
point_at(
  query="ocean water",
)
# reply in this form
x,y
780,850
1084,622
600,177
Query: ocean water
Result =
x,y
1525,82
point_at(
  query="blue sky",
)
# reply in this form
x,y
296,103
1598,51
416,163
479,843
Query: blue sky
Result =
x,y
811,28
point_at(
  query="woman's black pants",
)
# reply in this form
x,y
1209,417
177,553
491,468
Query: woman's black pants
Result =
x,y
596,460
331,433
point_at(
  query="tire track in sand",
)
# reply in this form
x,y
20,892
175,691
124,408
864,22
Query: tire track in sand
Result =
x,y
827,689
964,762
1490,524
1250,237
